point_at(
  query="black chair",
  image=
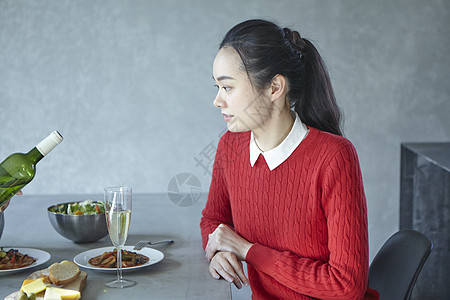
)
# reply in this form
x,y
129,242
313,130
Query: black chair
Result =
x,y
394,270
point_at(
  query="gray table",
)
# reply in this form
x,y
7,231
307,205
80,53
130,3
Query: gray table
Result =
x,y
182,274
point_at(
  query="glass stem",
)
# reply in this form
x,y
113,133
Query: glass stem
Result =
x,y
119,264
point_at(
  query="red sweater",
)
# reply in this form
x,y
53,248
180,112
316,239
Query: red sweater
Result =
x,y
307,218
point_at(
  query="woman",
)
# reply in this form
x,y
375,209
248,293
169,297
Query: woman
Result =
x,y
286,194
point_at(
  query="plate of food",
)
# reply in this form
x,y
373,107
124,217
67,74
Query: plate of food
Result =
x,y
104,259
14,259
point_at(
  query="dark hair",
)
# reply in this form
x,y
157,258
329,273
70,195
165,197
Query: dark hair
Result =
x,y
267,50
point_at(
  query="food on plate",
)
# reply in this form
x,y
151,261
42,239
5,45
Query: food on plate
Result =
x,y
13,259
63,273
87,207
109,259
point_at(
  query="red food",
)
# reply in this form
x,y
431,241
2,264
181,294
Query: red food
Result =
x,y
109,259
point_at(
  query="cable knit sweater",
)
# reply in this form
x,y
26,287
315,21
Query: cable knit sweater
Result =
x,y
307,218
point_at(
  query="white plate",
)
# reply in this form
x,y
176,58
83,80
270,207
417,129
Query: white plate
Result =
x,y
83,258
41,258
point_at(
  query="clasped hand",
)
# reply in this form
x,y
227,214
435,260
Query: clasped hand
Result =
x,y
226,250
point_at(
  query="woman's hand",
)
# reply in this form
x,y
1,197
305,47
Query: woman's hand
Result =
x,y
226,240
226,265
5,205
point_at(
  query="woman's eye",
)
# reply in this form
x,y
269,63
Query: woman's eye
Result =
x,y
225,88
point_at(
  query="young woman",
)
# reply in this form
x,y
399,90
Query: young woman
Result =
x,y
286,194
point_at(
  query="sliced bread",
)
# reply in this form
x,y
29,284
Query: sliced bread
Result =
x,y
79,283
41,274
63,273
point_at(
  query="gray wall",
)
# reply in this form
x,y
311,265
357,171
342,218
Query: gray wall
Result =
x,y
128,84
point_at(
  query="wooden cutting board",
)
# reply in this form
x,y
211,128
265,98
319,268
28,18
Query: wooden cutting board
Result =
x,y
76,285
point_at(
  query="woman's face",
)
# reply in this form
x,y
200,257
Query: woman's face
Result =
x,y
242,107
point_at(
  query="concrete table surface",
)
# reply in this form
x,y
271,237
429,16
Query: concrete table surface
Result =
x,y
182,274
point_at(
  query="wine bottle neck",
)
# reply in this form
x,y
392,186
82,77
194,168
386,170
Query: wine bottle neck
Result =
x,y
35,155
50,142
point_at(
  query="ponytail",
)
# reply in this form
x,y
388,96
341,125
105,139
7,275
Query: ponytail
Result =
x,y
267,50
316,104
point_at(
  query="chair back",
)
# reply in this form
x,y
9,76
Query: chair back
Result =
x,y
394,270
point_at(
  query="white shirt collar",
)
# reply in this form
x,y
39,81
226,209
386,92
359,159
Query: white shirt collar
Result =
x,y
280,153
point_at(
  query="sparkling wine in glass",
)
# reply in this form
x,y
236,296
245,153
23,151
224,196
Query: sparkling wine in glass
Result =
x,y
118,216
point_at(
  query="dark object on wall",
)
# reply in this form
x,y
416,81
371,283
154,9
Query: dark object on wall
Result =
x,y
425,207
394,270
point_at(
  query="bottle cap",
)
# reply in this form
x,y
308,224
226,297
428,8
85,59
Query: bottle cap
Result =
x,y
49,143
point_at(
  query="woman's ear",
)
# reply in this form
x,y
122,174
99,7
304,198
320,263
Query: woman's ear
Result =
x,y
278,87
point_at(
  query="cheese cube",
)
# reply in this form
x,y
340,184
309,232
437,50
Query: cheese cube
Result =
x,y
51,295
27,281
54,293
34,286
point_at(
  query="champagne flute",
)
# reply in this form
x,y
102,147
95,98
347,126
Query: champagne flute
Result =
x,y
118,216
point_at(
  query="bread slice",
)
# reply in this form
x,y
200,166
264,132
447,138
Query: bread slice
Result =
x,y
79,283
40,274
63,273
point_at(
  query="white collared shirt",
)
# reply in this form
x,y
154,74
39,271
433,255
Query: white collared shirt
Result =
x,y
280,153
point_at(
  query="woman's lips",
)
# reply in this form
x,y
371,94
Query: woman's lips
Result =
x,y
227,117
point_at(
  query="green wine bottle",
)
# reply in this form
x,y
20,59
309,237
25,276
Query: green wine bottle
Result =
x,y
18,169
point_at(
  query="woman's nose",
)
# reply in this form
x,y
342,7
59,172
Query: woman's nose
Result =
x,y
218,101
